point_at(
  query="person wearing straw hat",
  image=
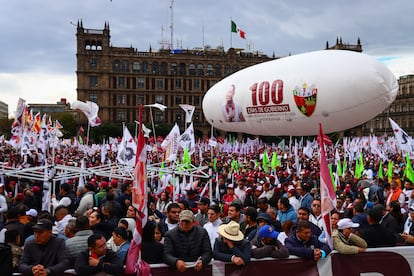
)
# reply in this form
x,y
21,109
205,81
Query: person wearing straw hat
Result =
x,y
231,246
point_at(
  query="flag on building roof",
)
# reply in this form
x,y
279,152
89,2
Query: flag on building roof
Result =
x,y
236,29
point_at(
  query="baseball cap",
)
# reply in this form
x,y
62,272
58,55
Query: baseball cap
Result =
x,y
265,216
267,231
347,223
1,185
187,215
31,212
204,200
43,224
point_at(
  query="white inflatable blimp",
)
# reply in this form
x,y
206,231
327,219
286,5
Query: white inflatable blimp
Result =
x,y
292,95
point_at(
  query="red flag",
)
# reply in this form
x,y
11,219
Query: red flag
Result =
x,y
139,201
328,196
81,130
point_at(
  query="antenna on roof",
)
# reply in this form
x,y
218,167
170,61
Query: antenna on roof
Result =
x,y
172,25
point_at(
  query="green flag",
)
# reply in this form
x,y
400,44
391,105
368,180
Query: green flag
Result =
x,y
215,164
380,171
344,167
332,176
265,161
186,158
339,168
161,171
408,168
273,162
389,171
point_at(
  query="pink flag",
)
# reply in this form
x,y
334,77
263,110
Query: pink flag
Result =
x,y
134,263
328,197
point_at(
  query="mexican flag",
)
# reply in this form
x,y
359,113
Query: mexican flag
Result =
x,y
235,29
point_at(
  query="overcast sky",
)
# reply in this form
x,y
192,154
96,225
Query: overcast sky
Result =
x,y
38,38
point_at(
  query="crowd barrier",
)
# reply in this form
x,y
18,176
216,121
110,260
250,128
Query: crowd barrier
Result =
x,y
386,261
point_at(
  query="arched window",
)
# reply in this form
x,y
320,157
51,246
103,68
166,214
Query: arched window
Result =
x,y
145,68
209,69
136,67
125,66
173,68
117,66
182,70
192,69
200,70
155,68
164,68
217,70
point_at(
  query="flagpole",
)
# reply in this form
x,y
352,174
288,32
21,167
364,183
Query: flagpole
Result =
x,y
87,134
231,42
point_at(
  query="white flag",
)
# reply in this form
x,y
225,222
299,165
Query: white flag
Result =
x,y
170,144
90,109
127,149
187,139
189,111
405,142
157,105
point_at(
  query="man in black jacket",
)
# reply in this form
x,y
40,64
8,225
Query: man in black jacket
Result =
x,y
98,259
187,245
46,254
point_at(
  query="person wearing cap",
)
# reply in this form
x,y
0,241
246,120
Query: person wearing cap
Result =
x,y
345,241
266,244
187,245
201,216
3,205
375,234
231,246
250,222
305,245
46,254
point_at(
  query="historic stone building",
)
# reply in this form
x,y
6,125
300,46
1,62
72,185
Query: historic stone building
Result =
x,y
401,111
119,79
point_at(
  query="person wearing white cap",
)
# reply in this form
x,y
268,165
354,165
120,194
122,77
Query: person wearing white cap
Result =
x,y
231,246
3,205
344,239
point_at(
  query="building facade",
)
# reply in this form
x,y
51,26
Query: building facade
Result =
x,y
401,111
4,110
119,79
58,107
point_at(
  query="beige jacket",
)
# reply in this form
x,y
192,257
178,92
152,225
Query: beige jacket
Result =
x,y
347,246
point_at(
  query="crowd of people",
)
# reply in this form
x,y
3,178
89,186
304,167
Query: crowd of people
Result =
x,y
252,213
